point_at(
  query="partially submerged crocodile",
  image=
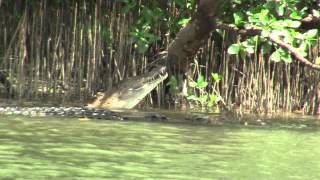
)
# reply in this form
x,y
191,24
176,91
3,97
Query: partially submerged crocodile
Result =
x,y
127,94
131,91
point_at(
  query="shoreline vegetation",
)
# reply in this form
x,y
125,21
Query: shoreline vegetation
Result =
x,y
67,51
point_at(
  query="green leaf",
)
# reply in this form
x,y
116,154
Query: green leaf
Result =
x,y
200,78
266,48
213,100
281,55
202,85
294,24
303,46
216,77
276,56
265,33
287,58
280,9
302,49
190,5
238,18
311,33
183,22
263,17
249,42
192,84
295,15
250,50
234,49
316,13
299,36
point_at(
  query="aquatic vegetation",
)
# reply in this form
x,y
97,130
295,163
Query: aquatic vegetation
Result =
x,y
200,94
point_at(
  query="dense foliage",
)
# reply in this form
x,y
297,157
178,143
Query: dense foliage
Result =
x,y
277,18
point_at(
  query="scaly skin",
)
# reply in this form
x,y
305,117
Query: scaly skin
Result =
x,y
62,111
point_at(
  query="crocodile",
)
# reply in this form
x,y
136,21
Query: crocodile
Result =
x,y
128,93
125,95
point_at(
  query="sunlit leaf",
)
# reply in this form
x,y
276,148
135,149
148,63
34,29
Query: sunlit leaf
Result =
x,y
316,13
238,18
183,22
192,84
250,50
265,33
294,24
200,78
311,33
276,56
202,85
234,49
280,9
216,77
295,15
302,52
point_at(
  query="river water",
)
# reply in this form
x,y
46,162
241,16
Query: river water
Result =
x,y
56,148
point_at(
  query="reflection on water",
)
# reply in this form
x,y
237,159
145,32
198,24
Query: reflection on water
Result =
x,y
44,148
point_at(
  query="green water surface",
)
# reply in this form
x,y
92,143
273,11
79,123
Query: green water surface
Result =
x,y
56,148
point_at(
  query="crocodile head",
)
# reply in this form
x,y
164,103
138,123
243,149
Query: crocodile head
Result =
x,y
128,93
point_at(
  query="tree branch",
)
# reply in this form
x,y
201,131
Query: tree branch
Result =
x,y
242,32
252,32
293,52
310,22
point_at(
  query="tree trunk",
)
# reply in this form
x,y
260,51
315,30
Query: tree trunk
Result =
x,y
187,42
